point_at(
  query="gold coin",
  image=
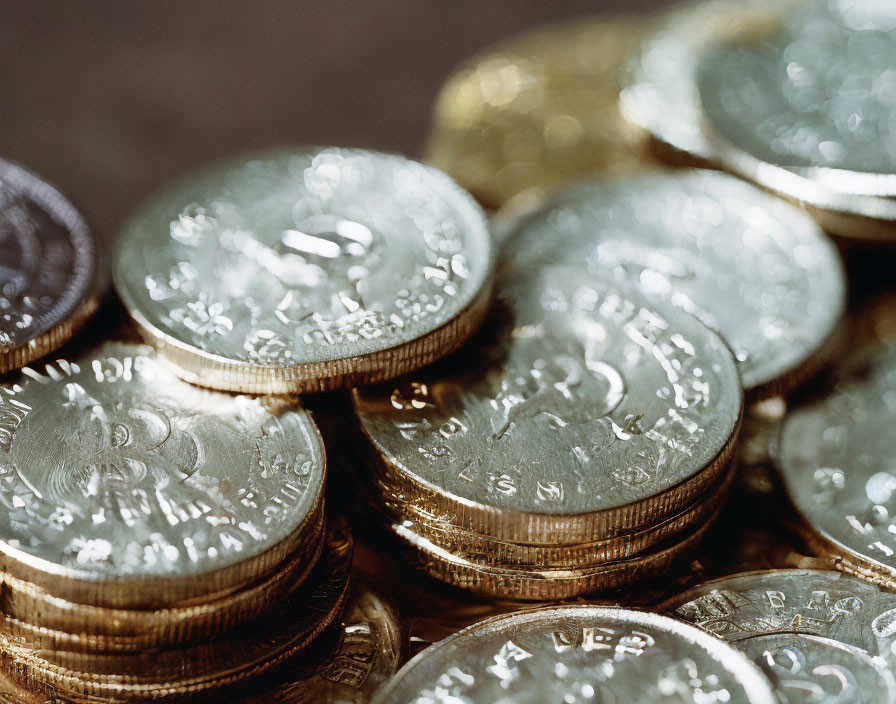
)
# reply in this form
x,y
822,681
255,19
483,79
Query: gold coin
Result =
x,y
38,620
227,660
536,110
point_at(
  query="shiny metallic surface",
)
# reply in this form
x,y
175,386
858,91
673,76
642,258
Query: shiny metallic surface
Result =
x,y
835,459
757,270
536,110
305,269
819,636
578,654
125,487
572,373
49,268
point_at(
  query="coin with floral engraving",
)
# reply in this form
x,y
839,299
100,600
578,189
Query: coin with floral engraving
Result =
x,y
756,269
819,636
537,109
123,487
49,268
305,269
579,654
835,459
583,410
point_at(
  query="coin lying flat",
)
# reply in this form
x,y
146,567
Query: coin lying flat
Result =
x,y
305,269
123,487
536,110
759,271
231,659
370,647
49,268
578,654
819,636
778,115
583,410
835,456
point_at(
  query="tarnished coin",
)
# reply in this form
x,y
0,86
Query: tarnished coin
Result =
x,y
123,487
579,654
231,659
756,269
835,459
819,636
781,116
305,269
49,268
584,410
536,110
369,648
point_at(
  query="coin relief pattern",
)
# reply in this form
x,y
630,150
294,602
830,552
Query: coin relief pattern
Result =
x,y
574,374
110,466
317,255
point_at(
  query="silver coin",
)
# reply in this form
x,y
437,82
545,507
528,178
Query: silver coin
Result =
x,y
819,636
121,483
303,269
49,268
835,458
759,271
580,397
576,654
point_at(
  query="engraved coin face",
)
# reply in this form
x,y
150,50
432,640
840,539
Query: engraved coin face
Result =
x,y
579,396
48,268
819,636
578,654
757,270
835,458
535,110
816,97
113,470
296,270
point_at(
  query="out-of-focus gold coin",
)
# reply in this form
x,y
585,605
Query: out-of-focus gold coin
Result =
x,y
536,110
232,659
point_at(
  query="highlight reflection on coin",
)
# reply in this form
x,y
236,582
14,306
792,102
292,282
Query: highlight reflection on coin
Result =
x,y
835,459
819,636
536,110
584,410
49,268
125,487
755,269
578,654
305,269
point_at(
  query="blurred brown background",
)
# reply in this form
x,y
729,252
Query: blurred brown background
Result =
x,y
110,98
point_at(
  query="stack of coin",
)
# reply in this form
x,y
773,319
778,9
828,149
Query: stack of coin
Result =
x,y
749,87
146,522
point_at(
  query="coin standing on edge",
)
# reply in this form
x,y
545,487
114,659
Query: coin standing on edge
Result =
x,y
300,270
578,654
814,633
835,459
757,270
583,410
122,486
49,268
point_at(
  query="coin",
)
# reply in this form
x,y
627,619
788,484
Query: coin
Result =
x,y
818,636
305,269
755,269
578,654
49,268
230,660
123,487
535,110
834,458
781,117
584,410
370,648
